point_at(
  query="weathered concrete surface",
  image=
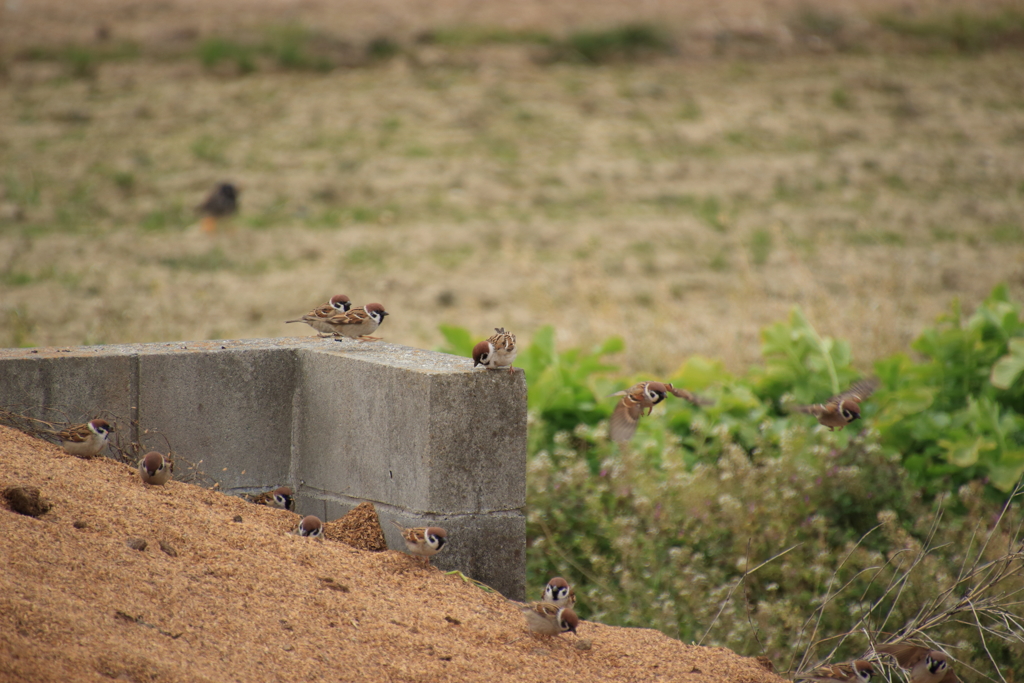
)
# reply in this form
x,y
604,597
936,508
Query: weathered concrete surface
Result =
x,y
423,435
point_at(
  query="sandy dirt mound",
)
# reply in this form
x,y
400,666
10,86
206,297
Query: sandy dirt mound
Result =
x,y
213,599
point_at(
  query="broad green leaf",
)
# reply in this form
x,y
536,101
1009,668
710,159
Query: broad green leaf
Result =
x,y
965,454
1007,369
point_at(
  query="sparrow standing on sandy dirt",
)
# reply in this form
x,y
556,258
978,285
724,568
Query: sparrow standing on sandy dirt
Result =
x,y
642,396
423,542
316,318
924,665
155,469
548,619
559,593
497,352
281,498
842,409
358,323
311,527
859,671
85,440
222,202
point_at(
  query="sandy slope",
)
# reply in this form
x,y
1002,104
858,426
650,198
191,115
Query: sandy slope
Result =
x,y
248,601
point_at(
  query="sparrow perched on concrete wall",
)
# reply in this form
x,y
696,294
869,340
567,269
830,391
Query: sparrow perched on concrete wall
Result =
x,y
548,619
642,396
222,202
924,665
497,352
358,323
281,498
316,318
859,671
311,527
842,409
423,542
85,440
155,469
559,593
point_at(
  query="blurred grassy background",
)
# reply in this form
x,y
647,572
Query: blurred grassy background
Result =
x,y
679,176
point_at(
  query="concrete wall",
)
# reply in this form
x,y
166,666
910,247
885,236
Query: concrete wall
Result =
x,y
422,435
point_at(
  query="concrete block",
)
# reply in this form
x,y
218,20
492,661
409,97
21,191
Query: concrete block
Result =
x,y
411,429
77,385
229,408
490,548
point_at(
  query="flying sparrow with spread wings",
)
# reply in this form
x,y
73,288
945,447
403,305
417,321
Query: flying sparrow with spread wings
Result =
x,y
155,469
423,542
841,409
357,323
497,352
317,318
636,399
558,592
859,671
925,665
220,203
282,498
548,619
85,440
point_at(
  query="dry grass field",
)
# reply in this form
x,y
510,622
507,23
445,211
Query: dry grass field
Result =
x,y
767,156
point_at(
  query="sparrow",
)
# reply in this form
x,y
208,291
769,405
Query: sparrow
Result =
x,y
357,323
844,408
316,318
644,395
85,440
311,526
859,671
924,665
281,498
548,619
559,593
498,351
423,541
223,201
155,469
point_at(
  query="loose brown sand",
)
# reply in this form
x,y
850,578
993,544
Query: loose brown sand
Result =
x,y
212,599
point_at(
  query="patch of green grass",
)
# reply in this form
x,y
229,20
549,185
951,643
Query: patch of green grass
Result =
x,y
689,110
960,31
82,61
365,256
124,180
19,327
895,181
172,218
210,149
1007,233
760,246
215,50
291,47
841,98
15,278
621,43
473,36
382,48
207,262
451,257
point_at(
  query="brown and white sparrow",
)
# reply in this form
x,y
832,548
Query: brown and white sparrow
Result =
x,y
358,323
559,593
924,665
155,469
634,400
548,619
85,440
841,409
497,352
859,671
316,318
311,527
282,498
423,542
222,202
